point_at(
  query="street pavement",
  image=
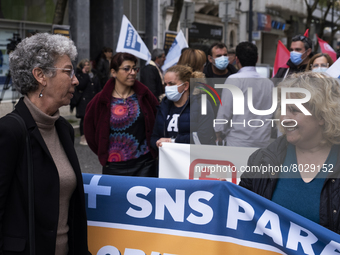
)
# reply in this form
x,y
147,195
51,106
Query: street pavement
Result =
x,y
89,162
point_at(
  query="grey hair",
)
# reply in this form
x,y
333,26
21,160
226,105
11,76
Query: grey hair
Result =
x,y
40,50
156,53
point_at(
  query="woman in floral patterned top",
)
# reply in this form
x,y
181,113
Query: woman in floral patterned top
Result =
x,y
119,121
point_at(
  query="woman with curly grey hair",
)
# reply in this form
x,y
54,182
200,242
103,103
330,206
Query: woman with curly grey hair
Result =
x,y
42,72
303,164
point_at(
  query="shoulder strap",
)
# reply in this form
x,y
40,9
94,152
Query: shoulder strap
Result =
x,y
30,182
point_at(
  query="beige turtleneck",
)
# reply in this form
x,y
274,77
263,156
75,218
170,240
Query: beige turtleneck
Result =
x,y
67,178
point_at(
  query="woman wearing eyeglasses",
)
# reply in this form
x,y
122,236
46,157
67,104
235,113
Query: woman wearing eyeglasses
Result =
x,y
119,121
319,63
42,72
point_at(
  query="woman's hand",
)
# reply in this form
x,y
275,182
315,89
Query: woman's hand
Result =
x,y
165,140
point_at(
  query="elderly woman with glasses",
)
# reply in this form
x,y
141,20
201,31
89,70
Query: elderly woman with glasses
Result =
x,y
42,72
319,63
119,121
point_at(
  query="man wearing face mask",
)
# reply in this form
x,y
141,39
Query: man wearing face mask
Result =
x,y
300,53
218,66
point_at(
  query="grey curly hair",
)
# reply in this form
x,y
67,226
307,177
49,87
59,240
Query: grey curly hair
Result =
x,y
40,50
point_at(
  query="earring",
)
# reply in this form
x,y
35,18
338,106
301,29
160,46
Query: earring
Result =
x,y
40,95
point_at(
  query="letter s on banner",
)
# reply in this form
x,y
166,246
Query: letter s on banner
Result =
x,y
195,204
145,205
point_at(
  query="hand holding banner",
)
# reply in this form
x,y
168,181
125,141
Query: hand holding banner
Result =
x,y
130,41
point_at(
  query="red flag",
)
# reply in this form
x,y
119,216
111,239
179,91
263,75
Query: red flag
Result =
x,y
281,57
326,48
306,33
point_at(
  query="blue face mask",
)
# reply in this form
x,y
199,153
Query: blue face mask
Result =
x,y
172,93
295,57
222,62
320,69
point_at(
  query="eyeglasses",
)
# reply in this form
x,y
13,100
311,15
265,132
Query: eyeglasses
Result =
x,y
319,65
71,71
129,69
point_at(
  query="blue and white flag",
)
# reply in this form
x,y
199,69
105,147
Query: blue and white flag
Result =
x,y
175,51
334,70
130,41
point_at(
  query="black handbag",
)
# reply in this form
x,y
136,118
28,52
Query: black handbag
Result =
x,y
31,224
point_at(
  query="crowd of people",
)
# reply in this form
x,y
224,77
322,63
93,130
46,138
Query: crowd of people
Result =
x,y
125,122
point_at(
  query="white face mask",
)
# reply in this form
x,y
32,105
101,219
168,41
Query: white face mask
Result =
x,y
320,69
172,93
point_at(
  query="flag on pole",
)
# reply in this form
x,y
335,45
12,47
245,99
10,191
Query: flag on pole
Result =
x,y
129,41
326,48
175,51
306,33
281,57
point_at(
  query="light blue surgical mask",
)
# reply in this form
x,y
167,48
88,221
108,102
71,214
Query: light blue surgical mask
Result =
x,y
320,69
295,57
172,93
222,62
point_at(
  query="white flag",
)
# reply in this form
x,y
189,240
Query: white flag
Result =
x,y
130,41
175,51
334,70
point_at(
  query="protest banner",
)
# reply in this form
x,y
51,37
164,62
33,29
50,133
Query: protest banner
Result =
x,y
138,216
174,52
129,41
200,162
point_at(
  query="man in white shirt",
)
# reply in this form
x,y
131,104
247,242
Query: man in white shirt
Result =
x,y
245,129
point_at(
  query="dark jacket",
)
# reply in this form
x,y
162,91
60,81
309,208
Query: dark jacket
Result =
x,y
103,70
88,87
292,69
98,112
202,124
149,76
264,184
13,189
210,74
